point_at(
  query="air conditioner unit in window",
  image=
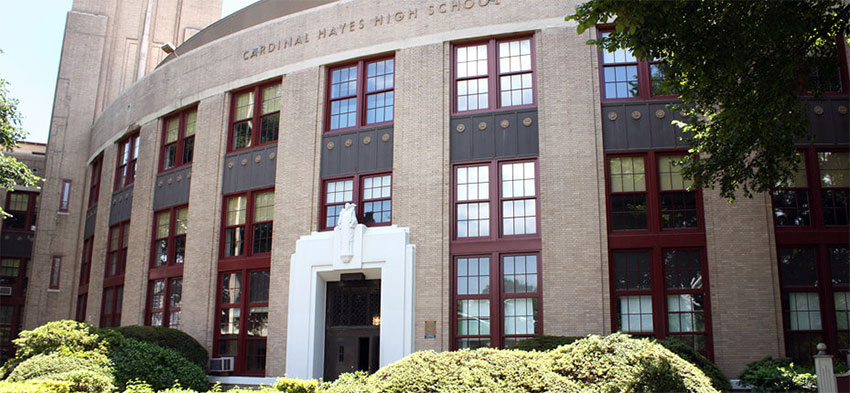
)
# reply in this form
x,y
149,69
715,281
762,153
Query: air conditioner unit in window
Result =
x,y
221,364
5,291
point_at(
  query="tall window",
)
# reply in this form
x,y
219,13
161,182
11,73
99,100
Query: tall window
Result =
x,y
164,302
169,244
65,196
23,208
178,139
361,94
110,313
125,169
255,116
835,187
498,73
113,282
243,292
55,272
85,262
13,274
372,193
496,293
625,77
94,185
248,224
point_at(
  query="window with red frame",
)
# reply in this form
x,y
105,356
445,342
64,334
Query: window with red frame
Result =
x,y
361,93
23,208
243,310
178,139
82,301
110,314
373,197
116,254
248,223
624,76
55,272
13,274
94,185
169,243
661,298
498,73
255,116
125,169
85,263
497,299
815,198
815,285
166,296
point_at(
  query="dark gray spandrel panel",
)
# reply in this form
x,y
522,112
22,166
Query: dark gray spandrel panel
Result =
x,y
640,126
249,169
638,130
502,134
358,151
614,131
121,205
172,188
91,220
16,244
828,124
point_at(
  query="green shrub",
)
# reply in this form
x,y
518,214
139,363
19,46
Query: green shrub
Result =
x,y
687,352
158,366
87,381
291,385
175,339
44,365
544,343
35,387
769,374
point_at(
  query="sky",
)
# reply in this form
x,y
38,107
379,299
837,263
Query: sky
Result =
x,y
31,34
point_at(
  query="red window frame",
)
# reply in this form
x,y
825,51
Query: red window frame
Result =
x,y
360,93
168,306
125,164
116,251
357,197
182,144
842,70
248,225
30,214
644,74
111,306
17,281
85,264
171,240
242,338
494,73
94,184
55,272
65,197
82,303
255,120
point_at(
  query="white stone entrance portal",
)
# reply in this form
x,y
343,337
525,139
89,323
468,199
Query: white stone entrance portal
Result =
x,y
383,253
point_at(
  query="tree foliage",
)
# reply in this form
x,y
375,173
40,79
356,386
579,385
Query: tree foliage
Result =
x,y
738,68
12,171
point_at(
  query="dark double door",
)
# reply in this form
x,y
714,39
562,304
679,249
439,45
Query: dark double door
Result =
x,y
352,331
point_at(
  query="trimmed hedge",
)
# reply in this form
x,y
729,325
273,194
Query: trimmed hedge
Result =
x,y
175,339
544,343
719,380
594,364
54,363
158,366
35,387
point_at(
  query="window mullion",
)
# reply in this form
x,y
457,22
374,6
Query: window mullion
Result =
x,y
360,92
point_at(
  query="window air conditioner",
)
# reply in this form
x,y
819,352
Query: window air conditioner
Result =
x,y
5,291
221,364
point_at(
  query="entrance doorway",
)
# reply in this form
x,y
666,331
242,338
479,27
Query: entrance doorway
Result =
x,y
352,327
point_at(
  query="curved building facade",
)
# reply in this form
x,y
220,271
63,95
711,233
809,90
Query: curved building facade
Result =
x,y
508,181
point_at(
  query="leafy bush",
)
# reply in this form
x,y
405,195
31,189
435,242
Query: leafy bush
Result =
x,y
87,381
42,365
544,343
769,374
35,387
175,339
687,352
593,364
158,366
291,385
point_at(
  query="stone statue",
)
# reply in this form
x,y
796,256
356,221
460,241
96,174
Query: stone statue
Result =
x,y
345,225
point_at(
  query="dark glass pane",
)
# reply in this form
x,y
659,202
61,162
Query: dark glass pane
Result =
x,y
628,211
228,348
797,267
660,87
161,252
176,293
473,343
839,262
242,135
259,287
836,206
631,270
801,346
258,321
682,269
791,207
188,149
268,128
18,220
262,238
179,249
231,288
170,156
678,210
229,322
233,238
255,355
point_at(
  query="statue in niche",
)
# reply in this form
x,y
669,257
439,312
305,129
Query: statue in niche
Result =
x,y
345,225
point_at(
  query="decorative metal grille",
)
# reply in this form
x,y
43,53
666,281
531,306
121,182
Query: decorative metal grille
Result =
x,y
353,303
